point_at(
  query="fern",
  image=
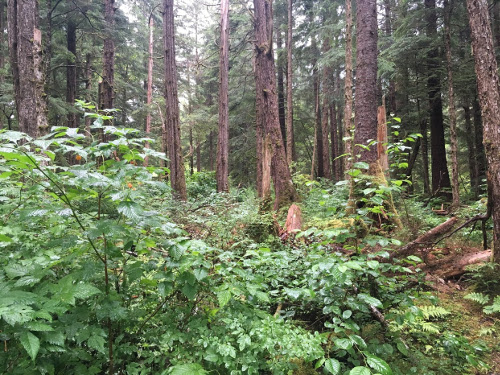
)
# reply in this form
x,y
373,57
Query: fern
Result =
x,y
487,331
434,312
478,297
429,327
494,308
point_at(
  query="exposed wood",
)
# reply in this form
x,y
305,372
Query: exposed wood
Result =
x,y
445,269
293,219
383,158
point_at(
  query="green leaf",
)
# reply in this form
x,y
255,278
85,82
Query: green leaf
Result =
x,y
360,370
200,273
332,366
370,300
84,291
97,342
31,343
361,165
224,296
346,314
188,369
378,364
402,347
130,209
343,343
189,291
38,327
4,238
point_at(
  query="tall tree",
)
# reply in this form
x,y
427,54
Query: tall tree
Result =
x,y
25,54
290,151
326,93
71,70
177,177
451,106
108,63
366,81
489,100
266,90
2,52
222,172
439,166
149,88
348,86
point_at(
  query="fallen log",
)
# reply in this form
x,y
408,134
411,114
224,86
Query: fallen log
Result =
x,y
426,239
446,269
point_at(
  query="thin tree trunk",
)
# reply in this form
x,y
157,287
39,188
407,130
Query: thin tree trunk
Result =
x,y
348,87
71,72
177,178
88,89
489,100
334,141
425,156
266,90
439,166
2,52
222,173
471,152
198,157
149,89
451,108
326,90
480,156
318,132
290,151
211,152
107,87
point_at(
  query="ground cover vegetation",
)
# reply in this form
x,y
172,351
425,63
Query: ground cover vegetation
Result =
x,y
288,187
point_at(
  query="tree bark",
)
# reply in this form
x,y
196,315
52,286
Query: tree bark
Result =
x,y
88,89
222,173
439,166
451,108
489,100
107,87
149,89
471,152
366,80
334,139
2,52
71,72
480,156
25,53
425,156
172,121
290,151
281,86
348,87
266,90
327,93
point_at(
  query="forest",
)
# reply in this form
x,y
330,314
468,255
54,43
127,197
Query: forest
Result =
x,y
249,187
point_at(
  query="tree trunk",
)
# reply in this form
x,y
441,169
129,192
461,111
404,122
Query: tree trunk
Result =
x,y
281,86
439,166
451,107
318,131
425,156
26,64
290,151
222,173
366,81
71,72
2,52
266,90
327,93
198,157
108,63
471,152
348,87
334,141
149,89
489,100
480,156
88,89
177,179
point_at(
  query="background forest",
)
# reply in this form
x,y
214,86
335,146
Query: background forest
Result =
x,y
150,152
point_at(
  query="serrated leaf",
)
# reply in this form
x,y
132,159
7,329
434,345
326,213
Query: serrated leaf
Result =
x,y
369,300
31,344
38,327
378,364
360,370
130,210
224,296
332,366
97,342
84,291
200,273
189,291
188,369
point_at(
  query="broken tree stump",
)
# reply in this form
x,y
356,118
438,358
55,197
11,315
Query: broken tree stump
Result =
x,y
293,219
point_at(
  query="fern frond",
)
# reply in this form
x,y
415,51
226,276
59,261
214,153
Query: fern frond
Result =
x,y
429,327
494,308
478,297
433,311
487,331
